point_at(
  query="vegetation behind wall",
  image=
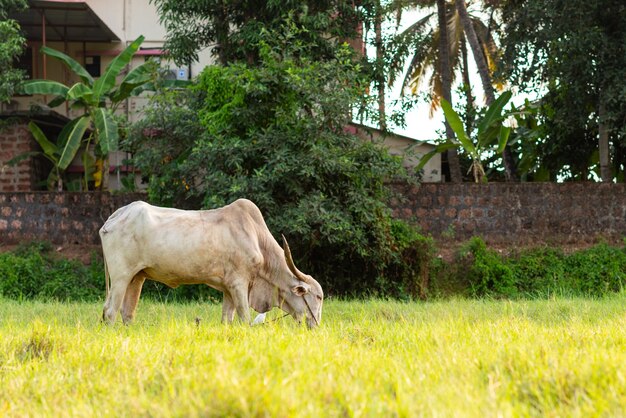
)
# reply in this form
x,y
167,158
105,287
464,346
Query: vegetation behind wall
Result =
x,y
33,271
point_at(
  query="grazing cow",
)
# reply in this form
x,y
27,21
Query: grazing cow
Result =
x,y
230,249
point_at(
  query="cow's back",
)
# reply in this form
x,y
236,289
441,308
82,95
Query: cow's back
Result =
x,y
186,245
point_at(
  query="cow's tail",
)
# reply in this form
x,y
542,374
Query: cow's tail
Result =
x,y
107,278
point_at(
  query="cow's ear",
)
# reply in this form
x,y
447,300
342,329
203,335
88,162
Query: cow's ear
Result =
x,y
301,289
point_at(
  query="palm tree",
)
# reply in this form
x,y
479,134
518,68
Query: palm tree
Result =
x,y
478,52
446,87
424,41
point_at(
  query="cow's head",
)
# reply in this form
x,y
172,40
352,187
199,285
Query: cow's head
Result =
x,y
291,290
307,296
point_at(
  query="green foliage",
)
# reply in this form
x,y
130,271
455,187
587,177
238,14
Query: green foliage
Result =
x,y
32,272
491,135
576,51
99,99
597,271
485,271
234,29
275,134
11,47
410,268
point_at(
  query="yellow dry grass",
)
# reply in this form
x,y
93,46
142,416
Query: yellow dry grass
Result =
x,y
459,358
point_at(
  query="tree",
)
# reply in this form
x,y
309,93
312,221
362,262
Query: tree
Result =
x,y
274,133
51,151
438,48
234,28
446,85
478,52
577,50
11,47
99,99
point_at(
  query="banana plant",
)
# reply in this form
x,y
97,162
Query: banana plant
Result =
x,y
60,154
490,131
98,98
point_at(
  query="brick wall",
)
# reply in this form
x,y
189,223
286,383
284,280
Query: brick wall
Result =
x,y
61,218
16,140
523,213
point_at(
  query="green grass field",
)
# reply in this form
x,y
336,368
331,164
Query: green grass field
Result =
x,y
563,357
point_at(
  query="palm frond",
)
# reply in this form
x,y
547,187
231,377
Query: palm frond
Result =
x,y
404,45
425,57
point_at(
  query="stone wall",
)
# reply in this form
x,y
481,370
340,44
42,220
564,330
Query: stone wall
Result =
x,y
501,213
61,218
522,213
16,140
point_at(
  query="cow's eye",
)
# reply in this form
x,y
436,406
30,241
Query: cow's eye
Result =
x,y
318,297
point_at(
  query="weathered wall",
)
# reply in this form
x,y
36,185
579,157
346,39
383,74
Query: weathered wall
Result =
x,y
61,218
523,213
16,140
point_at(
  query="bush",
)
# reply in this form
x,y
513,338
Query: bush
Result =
x,y
410,268
486,271
275,134
538,272
32,272
597,270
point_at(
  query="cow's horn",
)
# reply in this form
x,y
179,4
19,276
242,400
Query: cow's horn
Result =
x,y
290,264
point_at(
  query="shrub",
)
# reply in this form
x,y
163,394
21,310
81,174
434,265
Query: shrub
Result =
x,y
597,270
32,272
275,134
488,274
537,272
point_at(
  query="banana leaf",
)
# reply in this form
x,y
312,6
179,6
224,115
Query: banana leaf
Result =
x,y
70,62
105,83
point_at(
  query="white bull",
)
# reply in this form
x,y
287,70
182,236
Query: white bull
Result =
x,y
230,249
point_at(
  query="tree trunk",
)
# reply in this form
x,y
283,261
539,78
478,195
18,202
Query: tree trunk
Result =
x,y
485,78
603,144
446,87
380,76
477,51
222,32
467,87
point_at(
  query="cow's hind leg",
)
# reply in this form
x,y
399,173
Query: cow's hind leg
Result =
x,y
131,298
115,298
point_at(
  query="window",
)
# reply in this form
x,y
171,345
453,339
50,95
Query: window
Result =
x,y
92,65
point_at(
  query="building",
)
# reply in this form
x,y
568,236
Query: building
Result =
x,y
92,32
408,148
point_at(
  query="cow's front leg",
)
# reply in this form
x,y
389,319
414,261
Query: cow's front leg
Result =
x,y
239,295
228,309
